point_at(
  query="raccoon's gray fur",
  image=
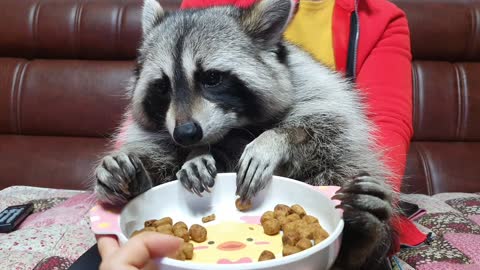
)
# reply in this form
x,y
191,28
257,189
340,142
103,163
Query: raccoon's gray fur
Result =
x,y
219,90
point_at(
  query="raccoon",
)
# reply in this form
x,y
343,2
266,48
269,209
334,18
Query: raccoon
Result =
x,y
219,90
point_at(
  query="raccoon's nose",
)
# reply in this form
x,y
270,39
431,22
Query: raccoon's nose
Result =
x,y
187,133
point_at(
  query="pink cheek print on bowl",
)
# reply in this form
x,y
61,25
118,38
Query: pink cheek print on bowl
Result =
x,y
200,247
241,260
231,246
251,219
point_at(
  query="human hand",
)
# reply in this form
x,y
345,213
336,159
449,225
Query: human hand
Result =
x,y
138,253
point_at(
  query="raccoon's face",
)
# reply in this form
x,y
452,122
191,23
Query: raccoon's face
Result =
x,y
204,72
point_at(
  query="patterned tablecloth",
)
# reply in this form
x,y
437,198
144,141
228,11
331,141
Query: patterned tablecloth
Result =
x,y
58,231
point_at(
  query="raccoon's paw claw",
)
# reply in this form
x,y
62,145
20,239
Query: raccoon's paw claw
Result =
x,y
256,167
365,194
367,205
198,174
120,177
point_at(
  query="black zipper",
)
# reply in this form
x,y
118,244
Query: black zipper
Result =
x,y
353,44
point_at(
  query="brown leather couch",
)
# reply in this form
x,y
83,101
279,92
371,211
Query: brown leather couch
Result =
x,y
64,64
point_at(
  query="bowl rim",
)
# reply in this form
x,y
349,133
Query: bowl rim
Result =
x,y
334,236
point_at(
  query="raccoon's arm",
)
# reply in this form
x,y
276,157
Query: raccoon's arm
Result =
x,y
143,160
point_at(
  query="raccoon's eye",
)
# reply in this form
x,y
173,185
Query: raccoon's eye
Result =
x,y
211,78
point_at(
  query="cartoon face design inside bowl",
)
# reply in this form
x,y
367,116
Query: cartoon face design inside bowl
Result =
x,y
235,242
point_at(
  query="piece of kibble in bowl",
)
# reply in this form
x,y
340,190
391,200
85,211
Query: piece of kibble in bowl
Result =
x,y
149,223
293,217
310,219
179,255
297,209
290,238
164,227
243,205
266,216
282,207
266,255
180,224
271,227
208,218
181,232
304,243
163,221
187,249
289,250
198,233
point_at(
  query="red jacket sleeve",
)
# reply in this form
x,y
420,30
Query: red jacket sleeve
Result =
x,y
386,79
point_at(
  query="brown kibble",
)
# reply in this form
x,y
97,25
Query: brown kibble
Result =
x,y
290,238
168,232
137,232
182,233
293,217
266,216
282,220
282,207
280,213
297,209
208,218
304,244
187,249
271,227
198,233
318,240
179,255
162,221
180,224
289,226
299,224
164,227
289,250
149,223
310,219
266,255
318,231
150,229
306,232
243,206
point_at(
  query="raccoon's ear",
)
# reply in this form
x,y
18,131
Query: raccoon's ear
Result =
x,y
152,13
266,20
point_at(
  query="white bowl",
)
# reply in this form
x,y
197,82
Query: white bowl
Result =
x,y
171,199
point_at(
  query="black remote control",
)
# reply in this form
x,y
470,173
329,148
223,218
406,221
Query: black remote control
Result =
x,y
12,216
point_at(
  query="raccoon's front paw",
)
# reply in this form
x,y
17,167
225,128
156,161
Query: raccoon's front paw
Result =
x,y
367,205
120,177
198,174
258,162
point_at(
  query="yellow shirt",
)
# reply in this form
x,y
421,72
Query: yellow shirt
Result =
x,y
311,29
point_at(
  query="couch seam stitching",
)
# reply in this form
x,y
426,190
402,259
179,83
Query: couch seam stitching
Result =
x,y
426,169
19,97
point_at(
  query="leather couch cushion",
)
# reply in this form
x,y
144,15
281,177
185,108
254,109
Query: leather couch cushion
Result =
x,y
62,97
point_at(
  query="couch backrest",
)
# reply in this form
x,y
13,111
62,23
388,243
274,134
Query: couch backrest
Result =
x,y
63,66
444,155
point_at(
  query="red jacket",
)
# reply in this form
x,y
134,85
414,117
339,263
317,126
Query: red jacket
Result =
x,y
371,42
